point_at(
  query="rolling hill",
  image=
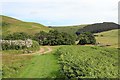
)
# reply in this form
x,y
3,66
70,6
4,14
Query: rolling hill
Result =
x,y
11,25
99,27
68,29
110,37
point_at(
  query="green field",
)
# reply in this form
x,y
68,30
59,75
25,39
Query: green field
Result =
x,y
68,29
11,25
108,38
68,61
43,66
16,65
76,62
12,64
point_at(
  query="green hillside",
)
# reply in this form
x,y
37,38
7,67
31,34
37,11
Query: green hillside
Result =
x,y
68,29
108,37
99,27
11,25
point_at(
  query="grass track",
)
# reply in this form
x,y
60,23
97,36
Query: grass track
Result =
x,y
41,66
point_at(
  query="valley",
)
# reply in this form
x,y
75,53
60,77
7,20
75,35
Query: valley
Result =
x,y
54,53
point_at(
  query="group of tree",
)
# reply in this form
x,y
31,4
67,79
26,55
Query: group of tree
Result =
x,y
17,36
53,37
86,38
99,27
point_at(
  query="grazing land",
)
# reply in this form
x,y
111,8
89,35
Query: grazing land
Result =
x,y
37,65
11,25
12,63
68,29
55,54
108,38
43,66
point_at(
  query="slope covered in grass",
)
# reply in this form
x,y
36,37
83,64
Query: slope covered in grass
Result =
x,y
11,25
68,29
108,38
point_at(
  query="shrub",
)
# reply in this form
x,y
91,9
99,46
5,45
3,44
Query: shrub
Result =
x,y
86,38
17,36
54,38
35,46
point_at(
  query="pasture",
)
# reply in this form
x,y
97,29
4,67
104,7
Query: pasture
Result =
x,y
108,38
62,61
76,61
38,65
12,25
68,29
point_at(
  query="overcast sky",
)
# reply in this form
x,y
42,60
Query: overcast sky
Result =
x,y
62,12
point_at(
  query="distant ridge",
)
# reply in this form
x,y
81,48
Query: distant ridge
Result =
x,y
68,29
98,27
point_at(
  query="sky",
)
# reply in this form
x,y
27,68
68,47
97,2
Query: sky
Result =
x,y
61,12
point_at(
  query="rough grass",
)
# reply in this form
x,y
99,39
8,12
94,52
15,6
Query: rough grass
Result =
x,y
13,25
43,66
68,29
13,63
46,66
36,66
108,38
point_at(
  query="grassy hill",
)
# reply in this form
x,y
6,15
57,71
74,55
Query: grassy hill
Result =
x,y
11,25
68,29
99,27
108,37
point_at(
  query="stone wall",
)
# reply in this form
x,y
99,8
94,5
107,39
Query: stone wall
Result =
x,y
27,43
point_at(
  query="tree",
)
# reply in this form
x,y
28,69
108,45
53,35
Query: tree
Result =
x,y
86,38
17,36
40,37
54,38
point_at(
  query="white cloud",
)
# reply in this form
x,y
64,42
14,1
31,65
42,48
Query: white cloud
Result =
x,y
62,12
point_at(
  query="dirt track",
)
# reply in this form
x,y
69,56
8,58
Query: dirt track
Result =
x,y
43,50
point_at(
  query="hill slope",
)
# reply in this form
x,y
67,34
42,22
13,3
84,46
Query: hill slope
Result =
x,y
11,25
108,37
99,27
68,29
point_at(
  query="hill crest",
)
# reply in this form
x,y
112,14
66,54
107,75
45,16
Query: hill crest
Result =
x,y
11,25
